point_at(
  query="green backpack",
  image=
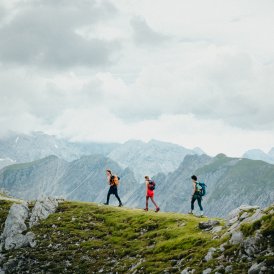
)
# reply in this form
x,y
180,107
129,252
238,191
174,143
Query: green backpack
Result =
x,y
201,188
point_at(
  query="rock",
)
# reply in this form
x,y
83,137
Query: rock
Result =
x,y
12,236
243,216
10,265
228,269
207,271
216,229
2,257
219,268
233,216
236,238
15,222
188,270
222,247
31,239
209,224
232,221
16,241
209,255
251,245
255,268
255,217
248,207
234,227
42,209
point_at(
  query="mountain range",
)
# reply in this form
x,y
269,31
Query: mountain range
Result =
x,y
230,182
258,154
143,158
21,148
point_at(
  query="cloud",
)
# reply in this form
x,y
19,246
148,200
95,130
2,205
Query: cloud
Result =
x,y
44,33
210,82
198,77
100,125
143,34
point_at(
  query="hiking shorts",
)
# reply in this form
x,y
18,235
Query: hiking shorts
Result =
x,y
150,193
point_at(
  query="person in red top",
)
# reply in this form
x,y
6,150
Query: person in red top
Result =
x,y
150,185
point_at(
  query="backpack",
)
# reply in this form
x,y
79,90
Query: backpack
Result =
x,y
201,188
151,185
115,180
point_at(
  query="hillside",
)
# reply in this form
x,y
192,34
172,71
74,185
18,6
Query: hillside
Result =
x,y
52,176
91,238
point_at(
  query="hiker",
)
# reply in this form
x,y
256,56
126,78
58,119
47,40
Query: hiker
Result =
x,y
113,181
150,186
196,195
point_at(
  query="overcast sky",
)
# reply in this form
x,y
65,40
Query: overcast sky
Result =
x,y
196,73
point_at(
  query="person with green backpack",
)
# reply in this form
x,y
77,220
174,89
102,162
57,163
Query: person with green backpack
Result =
x,y
199,190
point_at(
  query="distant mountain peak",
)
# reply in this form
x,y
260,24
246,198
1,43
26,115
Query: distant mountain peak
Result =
x,y
198,150
221,155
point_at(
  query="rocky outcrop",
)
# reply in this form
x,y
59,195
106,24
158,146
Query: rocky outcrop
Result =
x,y
15,234
12,236
42,209
249,241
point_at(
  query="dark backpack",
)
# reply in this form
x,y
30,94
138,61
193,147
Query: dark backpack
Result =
x,y
201,188
151,185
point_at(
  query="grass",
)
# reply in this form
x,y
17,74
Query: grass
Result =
x,y
91,238
87,238
4,210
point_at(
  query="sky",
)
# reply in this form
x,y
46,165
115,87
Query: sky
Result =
x,y
196,73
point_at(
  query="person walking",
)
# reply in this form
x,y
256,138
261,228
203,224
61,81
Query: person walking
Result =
x,y
150,186
196,195
113,181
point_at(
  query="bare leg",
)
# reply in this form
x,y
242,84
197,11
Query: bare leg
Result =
x,y
147,201
152,200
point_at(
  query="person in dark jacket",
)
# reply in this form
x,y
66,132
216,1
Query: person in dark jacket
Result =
x,y
113,181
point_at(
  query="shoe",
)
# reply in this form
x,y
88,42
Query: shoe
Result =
x,y
190,212
145,209
105,203
120,205
157,209
202,214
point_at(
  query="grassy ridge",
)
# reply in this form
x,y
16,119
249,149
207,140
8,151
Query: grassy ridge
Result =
x,y
89,238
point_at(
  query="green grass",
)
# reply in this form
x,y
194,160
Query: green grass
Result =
x,y
4,210
92,238
89,238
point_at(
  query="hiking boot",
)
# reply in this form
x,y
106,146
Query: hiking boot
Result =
x,y
120,205
157,209
145,209
202,214
105,203
190,212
